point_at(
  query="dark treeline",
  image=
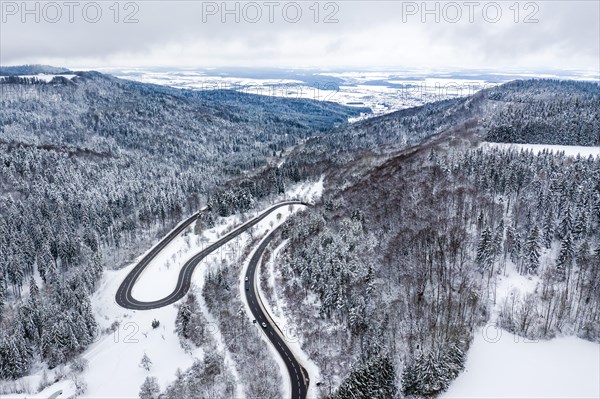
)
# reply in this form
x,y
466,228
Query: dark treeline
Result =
x,y
31,70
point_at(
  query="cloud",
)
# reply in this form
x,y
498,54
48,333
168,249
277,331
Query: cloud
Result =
x,y
367,34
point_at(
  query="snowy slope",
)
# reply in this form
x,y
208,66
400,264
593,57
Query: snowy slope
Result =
x,y
503,365
125,335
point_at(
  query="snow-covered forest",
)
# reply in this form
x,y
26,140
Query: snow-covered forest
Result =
x,y
409,278
392,271
533,111
93,167
402,259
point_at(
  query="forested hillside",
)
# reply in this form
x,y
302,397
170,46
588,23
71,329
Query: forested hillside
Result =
x,y
553,112
405,262
31,70
406,251
532,111
395,268
92,167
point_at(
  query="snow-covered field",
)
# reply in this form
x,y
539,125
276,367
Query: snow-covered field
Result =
x,y
569,150
46,77
205,81
503,365
383,92
126,335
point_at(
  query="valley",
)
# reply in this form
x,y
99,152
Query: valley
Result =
x,y
426,226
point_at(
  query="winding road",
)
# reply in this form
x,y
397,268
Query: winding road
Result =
x,y
298,376
124,298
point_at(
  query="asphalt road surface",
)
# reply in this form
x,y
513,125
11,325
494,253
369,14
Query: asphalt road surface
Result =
x,y
126,300
298,375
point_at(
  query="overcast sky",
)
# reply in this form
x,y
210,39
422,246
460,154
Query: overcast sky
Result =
x,y
478,35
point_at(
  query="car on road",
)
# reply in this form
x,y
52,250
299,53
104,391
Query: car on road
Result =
x,y
264,324
246,278
247,286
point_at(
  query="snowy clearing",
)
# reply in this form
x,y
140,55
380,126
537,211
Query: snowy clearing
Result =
x,y
503,365
510,284
308,192
44,77
569,150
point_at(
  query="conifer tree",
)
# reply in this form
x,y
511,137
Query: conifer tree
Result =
x,y
565,256
485,251
532,248
145,363
150,389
